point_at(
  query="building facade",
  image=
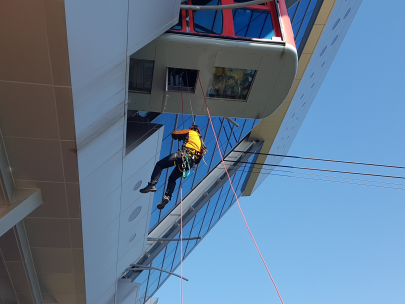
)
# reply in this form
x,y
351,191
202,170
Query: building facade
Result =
x,y
74,152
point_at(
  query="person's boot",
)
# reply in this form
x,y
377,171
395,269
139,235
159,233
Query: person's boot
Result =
x,y
164,202
148,188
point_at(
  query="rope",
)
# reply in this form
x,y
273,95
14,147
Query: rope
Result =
x,y
233,190
181,237
181,207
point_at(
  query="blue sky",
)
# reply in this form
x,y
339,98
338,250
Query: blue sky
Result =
x,y
323,242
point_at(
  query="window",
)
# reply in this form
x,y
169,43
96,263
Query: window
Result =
x,y
181,79
209,21
253,23
140,75
230,83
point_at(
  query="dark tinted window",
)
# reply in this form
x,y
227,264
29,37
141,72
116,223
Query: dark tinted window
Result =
x,y
140,75
253,23
209,22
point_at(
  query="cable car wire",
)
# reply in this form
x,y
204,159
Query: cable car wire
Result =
x,y
324,159
328,180
316,169
269,171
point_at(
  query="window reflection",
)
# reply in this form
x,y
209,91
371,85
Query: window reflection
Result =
x,y
253,23
230,83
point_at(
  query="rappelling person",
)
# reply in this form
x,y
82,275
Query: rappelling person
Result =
x,y
191,153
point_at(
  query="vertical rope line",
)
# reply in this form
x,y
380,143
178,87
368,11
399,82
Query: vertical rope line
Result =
x,y
236,196
181,207
181,237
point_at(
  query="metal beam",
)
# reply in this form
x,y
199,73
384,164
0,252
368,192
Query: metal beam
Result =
x,y
5,173
140,267
165,239
24,202
29,262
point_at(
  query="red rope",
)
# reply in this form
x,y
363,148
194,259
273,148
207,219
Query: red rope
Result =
x,y
230,182
181,209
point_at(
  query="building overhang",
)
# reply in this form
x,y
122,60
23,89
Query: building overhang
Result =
x,y
268,128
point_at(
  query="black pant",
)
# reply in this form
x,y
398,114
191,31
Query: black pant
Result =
x,y
174,159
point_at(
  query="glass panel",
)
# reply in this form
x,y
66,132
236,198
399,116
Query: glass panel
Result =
x,y
304,25
291,11
191,245
299,15
143,280
168,120
153,284
248,127
198,221
229,83
208,21
256,23
253,23
241,19
166,147
237,131
188,120
268,29
154,218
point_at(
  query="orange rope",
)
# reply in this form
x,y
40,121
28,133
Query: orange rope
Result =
x,y
230,182
181,208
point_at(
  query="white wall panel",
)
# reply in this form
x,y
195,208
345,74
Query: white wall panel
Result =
x,y
101,183
130,193
95,250
99,101
104,265
97,34
138,232
144,203
101,216
99,290
149,149
142,29
93,155
98,42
